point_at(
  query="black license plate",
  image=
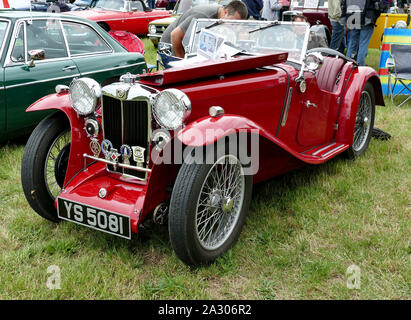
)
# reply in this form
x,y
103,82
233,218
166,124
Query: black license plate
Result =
x,y
96,218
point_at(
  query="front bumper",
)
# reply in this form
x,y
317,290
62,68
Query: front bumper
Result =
x,y
154,35
124,196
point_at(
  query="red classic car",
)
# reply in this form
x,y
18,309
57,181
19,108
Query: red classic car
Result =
x,y
132,16
185,145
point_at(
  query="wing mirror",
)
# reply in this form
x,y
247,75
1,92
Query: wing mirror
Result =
x,y
35,55
313,61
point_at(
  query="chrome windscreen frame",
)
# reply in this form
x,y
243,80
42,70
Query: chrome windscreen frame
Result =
x,y
194,25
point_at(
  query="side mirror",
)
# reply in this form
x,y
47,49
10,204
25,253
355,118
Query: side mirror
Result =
x,y
35,55
313,61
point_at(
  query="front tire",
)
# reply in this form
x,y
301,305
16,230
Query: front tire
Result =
x,y
44,164
364,123
208,207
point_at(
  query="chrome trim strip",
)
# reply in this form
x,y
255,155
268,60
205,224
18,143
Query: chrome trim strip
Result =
x,y
42,81
118,164
322,149
334,150
72,76
287,107
65,39
109,69
6,33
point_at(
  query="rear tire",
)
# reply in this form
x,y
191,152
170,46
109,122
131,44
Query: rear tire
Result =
x,y
364,123
44,164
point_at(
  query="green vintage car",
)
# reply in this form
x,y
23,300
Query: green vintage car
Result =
x,y
157,27
41,50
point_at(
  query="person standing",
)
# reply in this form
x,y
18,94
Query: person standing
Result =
x,y
271,10
338,26
171,4
254,7
151,3
361,16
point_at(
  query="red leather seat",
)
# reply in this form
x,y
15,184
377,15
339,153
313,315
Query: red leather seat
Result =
x,y
327,75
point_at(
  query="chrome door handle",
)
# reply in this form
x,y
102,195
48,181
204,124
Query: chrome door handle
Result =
x,y
69,68
310,104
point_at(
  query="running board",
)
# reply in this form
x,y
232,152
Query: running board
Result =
x,y
324,152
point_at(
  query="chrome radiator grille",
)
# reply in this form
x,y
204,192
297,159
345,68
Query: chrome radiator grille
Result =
x,y
127,122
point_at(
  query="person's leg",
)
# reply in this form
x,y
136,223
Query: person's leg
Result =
x,y
353,40
365,36
337,36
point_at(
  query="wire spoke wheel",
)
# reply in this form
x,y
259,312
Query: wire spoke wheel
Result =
x,y
208,207
220,202
362,121
56,163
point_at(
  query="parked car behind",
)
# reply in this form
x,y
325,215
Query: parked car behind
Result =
x,y
317,15
132,16
51,50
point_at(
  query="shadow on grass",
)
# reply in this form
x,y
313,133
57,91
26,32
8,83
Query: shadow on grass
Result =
x,y
20,141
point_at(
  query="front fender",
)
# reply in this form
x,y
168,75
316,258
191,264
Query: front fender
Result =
x,y
61,102
351,99
209,130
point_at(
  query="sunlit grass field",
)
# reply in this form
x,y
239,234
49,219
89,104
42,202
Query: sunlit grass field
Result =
x,y
303,231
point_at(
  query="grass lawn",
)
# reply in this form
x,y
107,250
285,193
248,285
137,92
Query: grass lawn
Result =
x,y
303,231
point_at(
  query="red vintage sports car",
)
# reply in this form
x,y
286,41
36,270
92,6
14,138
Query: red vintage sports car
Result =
x,y
183,146
132,16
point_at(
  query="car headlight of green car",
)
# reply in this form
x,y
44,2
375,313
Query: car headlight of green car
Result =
x,y
152,29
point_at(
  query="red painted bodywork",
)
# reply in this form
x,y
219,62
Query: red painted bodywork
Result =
x,y
128,40
316,16
135,22
252,91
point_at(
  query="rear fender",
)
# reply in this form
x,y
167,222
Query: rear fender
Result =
x,y
349,106
61,102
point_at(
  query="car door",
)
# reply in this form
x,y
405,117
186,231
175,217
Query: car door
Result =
x,y
26,83
93,56
317,114
136,19
4,30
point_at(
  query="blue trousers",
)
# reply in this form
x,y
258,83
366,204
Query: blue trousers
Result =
x,y
338,36
358,42
152,3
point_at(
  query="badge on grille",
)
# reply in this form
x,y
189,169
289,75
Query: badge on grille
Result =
x,y
114,155
106,146
125,151
121,93
95,147
138,154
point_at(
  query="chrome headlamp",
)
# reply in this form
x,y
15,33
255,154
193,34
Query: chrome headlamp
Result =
x,y
152,29
84,93
171,107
